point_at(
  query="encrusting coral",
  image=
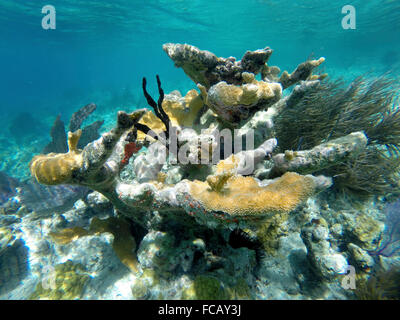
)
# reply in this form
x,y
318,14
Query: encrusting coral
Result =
x,y
219,194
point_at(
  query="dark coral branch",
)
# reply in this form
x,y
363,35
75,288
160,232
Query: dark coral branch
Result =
x,y
81,115
159,111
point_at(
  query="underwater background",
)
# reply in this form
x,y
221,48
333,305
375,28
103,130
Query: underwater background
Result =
x,y
101,50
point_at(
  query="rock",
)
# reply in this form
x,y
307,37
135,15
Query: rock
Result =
x,y
362,230
98,201
326,262
361,258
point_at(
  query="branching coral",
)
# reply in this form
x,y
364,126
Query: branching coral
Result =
x,y
212,189
234,103
320,157
207,69
229,87
182,112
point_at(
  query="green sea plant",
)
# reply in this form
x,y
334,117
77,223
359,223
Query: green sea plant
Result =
x,y
330,110
383,285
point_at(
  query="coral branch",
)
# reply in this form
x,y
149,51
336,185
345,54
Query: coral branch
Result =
x,y
320,157
79,116
302,72
207,69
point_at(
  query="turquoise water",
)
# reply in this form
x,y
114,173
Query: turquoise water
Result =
x,y
101,50
99,45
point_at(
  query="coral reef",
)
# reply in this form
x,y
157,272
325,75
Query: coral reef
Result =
x,y
124,244
207,69
323,258
198,190
235,103
209,288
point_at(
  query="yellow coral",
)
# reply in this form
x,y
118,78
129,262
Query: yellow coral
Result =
x,y
57,168
287,79
209,288
180,114
184,114
244,195
269,232
217,182
150,119
224,170
229,164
